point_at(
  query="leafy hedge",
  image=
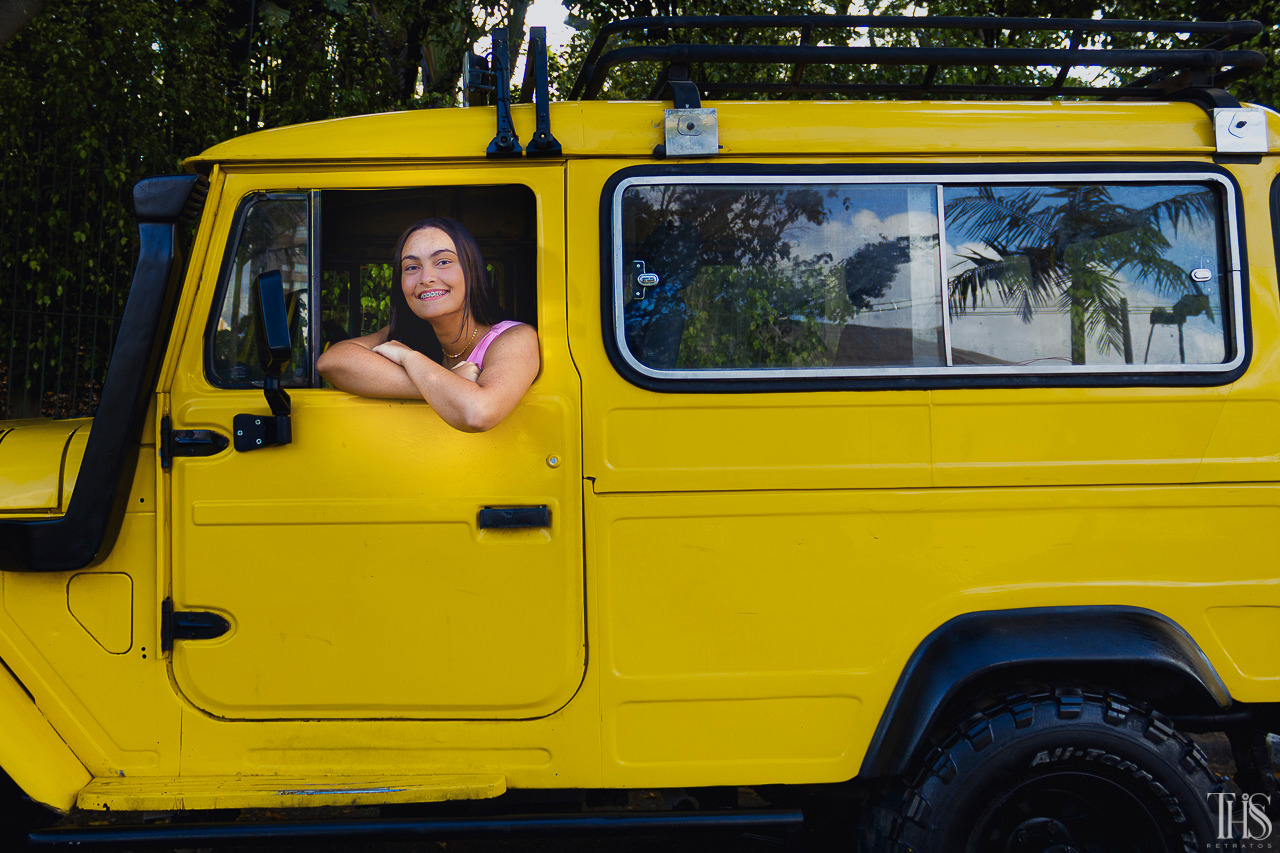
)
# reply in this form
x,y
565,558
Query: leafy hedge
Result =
x,y
96,94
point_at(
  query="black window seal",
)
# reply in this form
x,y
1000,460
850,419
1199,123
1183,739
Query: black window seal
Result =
x,y
867,379
1275,217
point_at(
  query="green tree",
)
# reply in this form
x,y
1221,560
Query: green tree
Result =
x,y
99,93
725,260
588,16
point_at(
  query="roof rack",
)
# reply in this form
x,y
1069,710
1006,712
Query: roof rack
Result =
x,y
1198,74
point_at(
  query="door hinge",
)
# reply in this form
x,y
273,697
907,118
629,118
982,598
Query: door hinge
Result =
x,y
188,442
254,432
189,625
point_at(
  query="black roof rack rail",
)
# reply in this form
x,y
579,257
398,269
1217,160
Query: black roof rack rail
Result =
x,y
1168,73
505,142
535,88
487,84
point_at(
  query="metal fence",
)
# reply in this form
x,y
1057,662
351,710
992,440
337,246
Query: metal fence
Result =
x,y
67,246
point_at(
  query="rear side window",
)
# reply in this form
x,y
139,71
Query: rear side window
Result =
x,y
1086,274
755,277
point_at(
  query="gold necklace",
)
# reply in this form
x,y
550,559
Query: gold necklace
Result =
x,y
474,332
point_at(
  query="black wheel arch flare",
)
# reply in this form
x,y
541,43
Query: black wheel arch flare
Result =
x,y
1147,654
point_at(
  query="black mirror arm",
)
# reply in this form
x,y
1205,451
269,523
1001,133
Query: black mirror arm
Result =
x,y
277,397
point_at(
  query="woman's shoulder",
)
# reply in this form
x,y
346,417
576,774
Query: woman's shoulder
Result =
x,y
514,330
502,327
515,326
518,339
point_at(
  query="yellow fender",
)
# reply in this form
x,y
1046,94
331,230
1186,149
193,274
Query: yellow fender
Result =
x,y
32,753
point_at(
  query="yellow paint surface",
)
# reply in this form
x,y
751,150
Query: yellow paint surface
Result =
x,y
103,605
731,584
1250,634
31,460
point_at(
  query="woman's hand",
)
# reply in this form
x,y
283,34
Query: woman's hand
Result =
x,y
354,367
394,351
473,400
465,397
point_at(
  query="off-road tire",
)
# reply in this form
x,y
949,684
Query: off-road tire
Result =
x,y
1060,771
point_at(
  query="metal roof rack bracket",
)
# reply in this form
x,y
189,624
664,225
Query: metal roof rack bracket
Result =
x,y
689,129
1240,130
505,143
691,132
535,87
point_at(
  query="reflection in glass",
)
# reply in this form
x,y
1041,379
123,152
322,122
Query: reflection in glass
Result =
x,y
752,276
273,236
1085,274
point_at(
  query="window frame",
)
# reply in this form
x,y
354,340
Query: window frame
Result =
x,y
313,196
945,376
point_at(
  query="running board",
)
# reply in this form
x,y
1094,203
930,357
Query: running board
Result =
x,y
411,829
149,794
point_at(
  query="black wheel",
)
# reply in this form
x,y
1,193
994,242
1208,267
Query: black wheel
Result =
x,y
1066,772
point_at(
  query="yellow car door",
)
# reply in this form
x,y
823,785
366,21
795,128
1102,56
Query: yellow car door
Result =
x,y
370,567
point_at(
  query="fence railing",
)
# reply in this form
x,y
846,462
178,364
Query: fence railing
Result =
x,y
67,246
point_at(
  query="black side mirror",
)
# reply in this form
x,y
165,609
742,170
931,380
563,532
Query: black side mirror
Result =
x,y
275,349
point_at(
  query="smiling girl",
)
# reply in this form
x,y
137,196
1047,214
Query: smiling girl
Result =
x,y
440,284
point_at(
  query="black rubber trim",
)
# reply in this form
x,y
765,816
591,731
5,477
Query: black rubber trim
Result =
x,y
1275,217
928,382
89,527
1141,646
413,829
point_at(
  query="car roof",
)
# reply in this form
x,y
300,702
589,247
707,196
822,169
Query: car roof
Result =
x,y
816,129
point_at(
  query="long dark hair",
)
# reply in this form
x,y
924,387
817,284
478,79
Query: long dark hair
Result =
x,y
410,329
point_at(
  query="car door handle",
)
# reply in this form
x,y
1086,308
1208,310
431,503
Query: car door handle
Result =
x,y
508,517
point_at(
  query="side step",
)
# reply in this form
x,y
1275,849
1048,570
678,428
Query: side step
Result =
x,y
410,829
148,794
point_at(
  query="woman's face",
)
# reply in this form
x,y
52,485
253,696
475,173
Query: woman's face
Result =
x,y
430,274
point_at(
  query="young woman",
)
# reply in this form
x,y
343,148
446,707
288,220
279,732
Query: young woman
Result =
x,y
440,289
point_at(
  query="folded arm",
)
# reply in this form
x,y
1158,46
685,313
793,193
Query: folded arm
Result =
x,y
354,367
510,367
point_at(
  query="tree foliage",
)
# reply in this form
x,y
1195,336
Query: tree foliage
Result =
x,y
588,16
99,93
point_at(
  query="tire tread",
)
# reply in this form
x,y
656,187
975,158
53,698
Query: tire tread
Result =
x,y
901,820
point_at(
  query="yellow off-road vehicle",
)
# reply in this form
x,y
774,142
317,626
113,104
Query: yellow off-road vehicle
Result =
x,y
914,456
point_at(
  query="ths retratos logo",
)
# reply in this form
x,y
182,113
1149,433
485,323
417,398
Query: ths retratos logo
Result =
x,y
1243,822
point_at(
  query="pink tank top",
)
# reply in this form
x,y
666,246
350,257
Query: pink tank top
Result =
x,y
477,354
